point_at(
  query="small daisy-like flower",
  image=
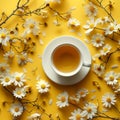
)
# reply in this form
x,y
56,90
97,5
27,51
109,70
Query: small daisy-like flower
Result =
x,y
108,100
4,36
19,92
81,93
32,27
105,50
73,22
113,27
4,68
62,100
19,79
77,115
42,86
34,116
90,25
16,109
111,78
23,59
9,56
103,20
90,110
6,80
98,40
99,69
91,10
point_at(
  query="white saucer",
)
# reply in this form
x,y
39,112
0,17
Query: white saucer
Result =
x,y
50,72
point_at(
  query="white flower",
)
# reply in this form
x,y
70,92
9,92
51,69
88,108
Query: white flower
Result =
x,y
113,27
34,116
99,69
73,22
81,93
77,115
4,36
31,27
111,78
19,79
6,80
116,88
16,109
4,69
108,100
9,56
62,100
23,59
103,20
98,40
42,86
19,92
90,110
105,50
91,10
90,25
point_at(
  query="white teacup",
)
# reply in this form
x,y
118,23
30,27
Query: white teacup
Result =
x,y
67,59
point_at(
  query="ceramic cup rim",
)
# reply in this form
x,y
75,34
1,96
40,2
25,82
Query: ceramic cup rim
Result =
x,y
72,73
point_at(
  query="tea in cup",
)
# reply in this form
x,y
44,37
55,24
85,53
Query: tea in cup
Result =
x,y
66,59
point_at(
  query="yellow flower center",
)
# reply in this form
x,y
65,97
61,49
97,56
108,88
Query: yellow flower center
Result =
x,y
81,93
16,109
10,56
43,86
108,100
7,79
111,28
98,40
19,92
111,78
105,49
63,98
3,36
18,79
91,25
89,110
2,69
32,26
78,116
92,9
22,58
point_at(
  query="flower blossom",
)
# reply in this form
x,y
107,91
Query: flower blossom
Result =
x,y
77,115
32,27
16,109
19,92
62,100
99,69
90,110
42,86
73,22
105,50
90,26
98,40
113,27
91,10
111,78
4,36
19,79
108,100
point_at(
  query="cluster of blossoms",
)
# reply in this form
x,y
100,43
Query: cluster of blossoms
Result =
x,y
88,110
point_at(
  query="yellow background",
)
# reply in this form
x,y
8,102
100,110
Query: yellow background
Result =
x,y
53,31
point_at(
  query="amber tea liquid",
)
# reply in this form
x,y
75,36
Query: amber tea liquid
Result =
x,y
66,58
